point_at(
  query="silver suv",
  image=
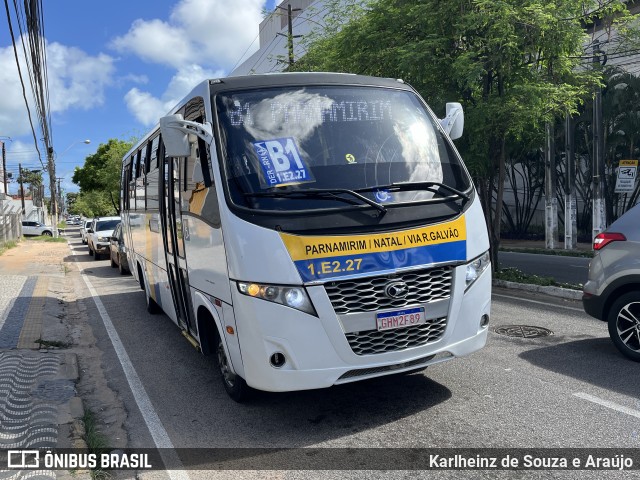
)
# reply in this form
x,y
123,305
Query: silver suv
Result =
x,y
612,292
30,228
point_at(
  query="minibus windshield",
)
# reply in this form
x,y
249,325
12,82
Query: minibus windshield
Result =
x,y
334,147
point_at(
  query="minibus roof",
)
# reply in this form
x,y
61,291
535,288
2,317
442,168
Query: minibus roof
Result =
x,y
301,78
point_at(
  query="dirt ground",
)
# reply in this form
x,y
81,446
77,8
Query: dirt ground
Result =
x,y
66,327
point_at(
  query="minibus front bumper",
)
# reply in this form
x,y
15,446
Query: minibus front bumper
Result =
x,y
284,349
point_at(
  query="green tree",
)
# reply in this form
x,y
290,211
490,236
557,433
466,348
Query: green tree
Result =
x,y
513,64
72,198
99,179
32,178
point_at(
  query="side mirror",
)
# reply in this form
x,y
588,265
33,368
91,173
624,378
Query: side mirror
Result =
x,y
453,122
176,131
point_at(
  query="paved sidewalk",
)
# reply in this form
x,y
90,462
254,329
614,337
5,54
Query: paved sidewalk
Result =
x,y
39,406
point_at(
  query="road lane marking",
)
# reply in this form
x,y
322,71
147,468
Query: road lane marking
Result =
x,y
538,302
606,403
151,418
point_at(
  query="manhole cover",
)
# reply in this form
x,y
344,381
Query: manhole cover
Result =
x,y
523,331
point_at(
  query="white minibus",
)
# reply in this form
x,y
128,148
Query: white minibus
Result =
x,y
309,230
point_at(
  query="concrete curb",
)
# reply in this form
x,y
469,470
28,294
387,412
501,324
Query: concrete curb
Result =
x,y
559,292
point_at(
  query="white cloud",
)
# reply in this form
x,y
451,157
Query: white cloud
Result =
x,y
76,80
148,109
13,121
203,32
155,41
144,106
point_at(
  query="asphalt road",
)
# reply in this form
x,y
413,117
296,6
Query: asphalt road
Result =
x,y
563,269
569,389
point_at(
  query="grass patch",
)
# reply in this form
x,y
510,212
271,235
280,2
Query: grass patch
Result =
x,y
546,251
516,275
52,343
7,245
47,238
96,442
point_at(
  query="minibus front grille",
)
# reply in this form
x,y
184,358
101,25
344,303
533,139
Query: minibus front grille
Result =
x,y
372,342
368,294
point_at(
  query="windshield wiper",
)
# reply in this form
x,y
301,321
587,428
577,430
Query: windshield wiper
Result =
x,y
405,186
332,193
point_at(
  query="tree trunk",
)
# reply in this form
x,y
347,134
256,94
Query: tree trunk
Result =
x,y
494,234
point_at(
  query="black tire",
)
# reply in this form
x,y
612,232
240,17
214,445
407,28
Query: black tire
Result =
x,y
121,269
47,233
152,307
234,385
140,278
113,264
624,325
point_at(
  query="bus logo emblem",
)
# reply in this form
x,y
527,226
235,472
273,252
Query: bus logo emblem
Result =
x,y
396,290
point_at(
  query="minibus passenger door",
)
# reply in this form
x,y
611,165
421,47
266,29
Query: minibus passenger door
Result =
x,y
174,242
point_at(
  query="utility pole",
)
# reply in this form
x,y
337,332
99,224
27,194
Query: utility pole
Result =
x,y
570,206
550,200
60,202
290,35
21,188
52,187
4,168
597,186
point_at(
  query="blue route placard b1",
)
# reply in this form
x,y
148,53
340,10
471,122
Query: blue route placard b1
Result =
x,y
281,164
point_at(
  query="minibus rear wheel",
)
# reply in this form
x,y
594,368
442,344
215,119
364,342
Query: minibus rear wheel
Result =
x,y
234,384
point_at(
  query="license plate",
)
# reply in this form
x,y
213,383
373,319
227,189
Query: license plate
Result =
x,y
400,318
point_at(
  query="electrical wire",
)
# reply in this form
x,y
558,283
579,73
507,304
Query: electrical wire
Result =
x,y
24,92
271,46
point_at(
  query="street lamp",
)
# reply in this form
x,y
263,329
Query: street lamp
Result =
x,y
52,182
72,145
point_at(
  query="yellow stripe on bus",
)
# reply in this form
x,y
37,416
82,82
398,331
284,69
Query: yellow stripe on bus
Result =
x,y
306,247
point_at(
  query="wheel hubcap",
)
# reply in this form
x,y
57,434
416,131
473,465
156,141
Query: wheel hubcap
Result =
x,y
628,325
228,377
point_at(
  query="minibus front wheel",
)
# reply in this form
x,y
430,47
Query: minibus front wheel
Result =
x,y
234,384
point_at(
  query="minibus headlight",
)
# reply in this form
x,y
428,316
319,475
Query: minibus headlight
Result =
x,y
294,297
475,268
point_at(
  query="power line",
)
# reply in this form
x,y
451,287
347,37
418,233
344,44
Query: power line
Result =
x,y
24,92
271,46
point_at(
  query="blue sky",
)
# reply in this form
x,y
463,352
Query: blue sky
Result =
x,y
115,67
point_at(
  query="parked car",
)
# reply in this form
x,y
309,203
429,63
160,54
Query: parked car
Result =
x,y
612,292
31,228
99,235
117,253
85,225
